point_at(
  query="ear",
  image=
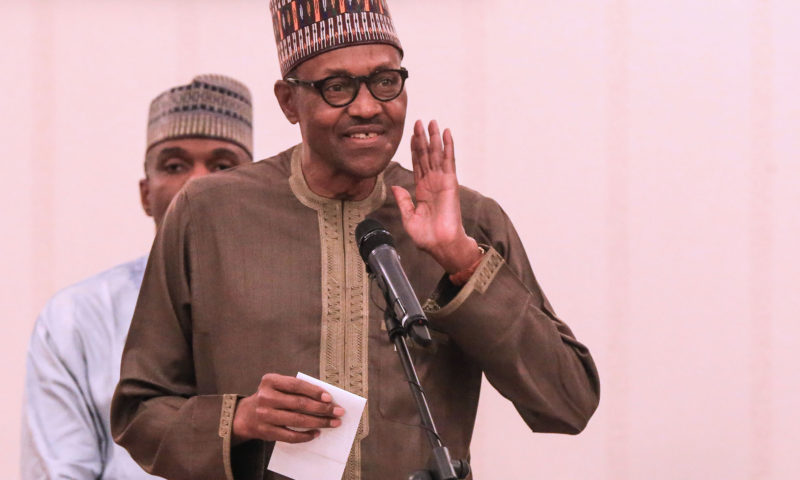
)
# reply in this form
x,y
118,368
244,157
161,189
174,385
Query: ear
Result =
x,y
144,196
287,100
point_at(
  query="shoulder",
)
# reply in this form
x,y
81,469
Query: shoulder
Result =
x,y
479,207
91,301
226,193
396,174
270,170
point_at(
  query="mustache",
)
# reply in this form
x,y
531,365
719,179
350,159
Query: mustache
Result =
x,y
365,122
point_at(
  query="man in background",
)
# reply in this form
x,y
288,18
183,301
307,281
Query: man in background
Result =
x,y
74,355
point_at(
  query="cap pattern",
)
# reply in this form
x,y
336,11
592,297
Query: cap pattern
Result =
x,y
306,28
213,106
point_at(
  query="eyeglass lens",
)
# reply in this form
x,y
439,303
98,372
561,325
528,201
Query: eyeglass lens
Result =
x,y
384,86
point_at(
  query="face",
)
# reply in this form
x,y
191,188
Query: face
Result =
x,y
359,139
170,164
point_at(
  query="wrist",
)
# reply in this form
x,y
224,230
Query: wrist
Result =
x,y
460,256
239,431
462,277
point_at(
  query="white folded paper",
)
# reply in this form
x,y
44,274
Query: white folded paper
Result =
x,y
325,457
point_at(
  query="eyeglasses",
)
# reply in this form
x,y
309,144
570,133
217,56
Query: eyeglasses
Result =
x,y
341,90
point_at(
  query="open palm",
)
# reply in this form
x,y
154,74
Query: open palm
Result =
x,y
434,223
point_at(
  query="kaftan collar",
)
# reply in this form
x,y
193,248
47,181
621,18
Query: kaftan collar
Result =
x,y
302,191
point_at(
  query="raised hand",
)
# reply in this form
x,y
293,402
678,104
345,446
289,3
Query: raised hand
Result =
x,y
281,407
434,223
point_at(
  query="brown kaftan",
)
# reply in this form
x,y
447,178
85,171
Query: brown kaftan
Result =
x,y
252,273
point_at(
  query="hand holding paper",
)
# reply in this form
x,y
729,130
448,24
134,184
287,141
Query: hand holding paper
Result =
x,y
285,409
325,457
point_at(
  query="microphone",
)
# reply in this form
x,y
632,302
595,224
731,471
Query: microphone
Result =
x,y
376,246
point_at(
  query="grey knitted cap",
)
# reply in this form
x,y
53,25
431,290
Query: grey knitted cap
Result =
x,y
212,106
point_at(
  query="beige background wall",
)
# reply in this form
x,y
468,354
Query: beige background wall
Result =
x,y
647,151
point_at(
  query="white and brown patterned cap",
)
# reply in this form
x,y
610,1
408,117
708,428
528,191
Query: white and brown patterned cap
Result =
x,y
306,28
211,106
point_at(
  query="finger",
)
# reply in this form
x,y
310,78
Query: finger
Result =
x,y
416,152
449,163
290,393
435,149
295,385
416,168
419,147
404,202
288,418
298,403
282,434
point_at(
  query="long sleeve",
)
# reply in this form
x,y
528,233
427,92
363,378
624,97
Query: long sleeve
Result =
x,y
62,436
157,413
503,321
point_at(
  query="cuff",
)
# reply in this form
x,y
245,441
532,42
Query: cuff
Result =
x,y
448,297
226,431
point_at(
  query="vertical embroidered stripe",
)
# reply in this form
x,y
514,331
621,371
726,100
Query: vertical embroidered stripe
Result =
x,y
344,353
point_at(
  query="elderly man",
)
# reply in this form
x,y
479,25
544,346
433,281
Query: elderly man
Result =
x,y
74,356
256,276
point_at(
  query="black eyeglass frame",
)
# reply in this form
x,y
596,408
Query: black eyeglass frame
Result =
x,y
359,79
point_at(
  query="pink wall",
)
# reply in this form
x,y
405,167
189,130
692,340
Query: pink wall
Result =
x,y
646,150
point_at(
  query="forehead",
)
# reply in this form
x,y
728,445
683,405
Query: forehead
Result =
x,y
356,60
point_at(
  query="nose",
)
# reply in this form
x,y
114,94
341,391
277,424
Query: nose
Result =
x,y
365,105
200,170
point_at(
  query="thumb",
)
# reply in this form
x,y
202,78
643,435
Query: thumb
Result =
x,y
404,202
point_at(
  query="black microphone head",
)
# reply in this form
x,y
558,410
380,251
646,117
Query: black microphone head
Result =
x,y
369,235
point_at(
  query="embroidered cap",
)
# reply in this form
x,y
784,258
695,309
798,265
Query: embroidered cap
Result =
x,y
212,106
306,28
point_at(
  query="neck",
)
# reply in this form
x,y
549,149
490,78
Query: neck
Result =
x,y
331,183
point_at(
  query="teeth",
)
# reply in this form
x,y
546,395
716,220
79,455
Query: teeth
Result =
x,y
364,135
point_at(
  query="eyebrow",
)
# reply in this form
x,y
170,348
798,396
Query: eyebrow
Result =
x,y
225,153
341,71
170,152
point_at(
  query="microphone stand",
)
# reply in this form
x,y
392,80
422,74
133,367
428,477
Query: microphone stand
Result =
x,y
440,466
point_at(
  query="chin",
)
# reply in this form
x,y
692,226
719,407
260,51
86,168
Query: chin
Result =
x,y
367,166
